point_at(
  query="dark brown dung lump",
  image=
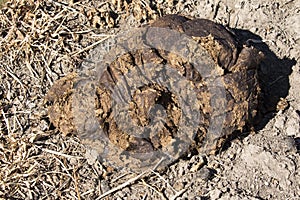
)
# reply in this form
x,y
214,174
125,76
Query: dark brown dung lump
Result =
x,y
142,114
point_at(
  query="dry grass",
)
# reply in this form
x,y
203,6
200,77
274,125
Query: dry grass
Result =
x,y
2,2
40,42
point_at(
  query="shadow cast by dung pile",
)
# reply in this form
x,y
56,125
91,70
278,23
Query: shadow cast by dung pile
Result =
x,y
273,78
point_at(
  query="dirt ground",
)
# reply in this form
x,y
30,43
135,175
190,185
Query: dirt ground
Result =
x,y
42,41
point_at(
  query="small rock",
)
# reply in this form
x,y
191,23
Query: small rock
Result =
x,y
178,185
91,156
215,194
205,173
279,122
292,125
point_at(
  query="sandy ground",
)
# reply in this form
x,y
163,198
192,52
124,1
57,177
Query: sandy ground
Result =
x,y
43,41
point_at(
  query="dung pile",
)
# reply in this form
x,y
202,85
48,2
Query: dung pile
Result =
x,y
172,86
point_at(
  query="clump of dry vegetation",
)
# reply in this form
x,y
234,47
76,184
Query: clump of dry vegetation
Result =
x,y
40,42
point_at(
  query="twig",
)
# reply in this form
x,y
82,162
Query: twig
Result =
x,y
63,5
60,154
76,184
154,189
14,77
162,178
121,176
129,182
87,192
6,121
123,185
179,193
18,122
90,47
